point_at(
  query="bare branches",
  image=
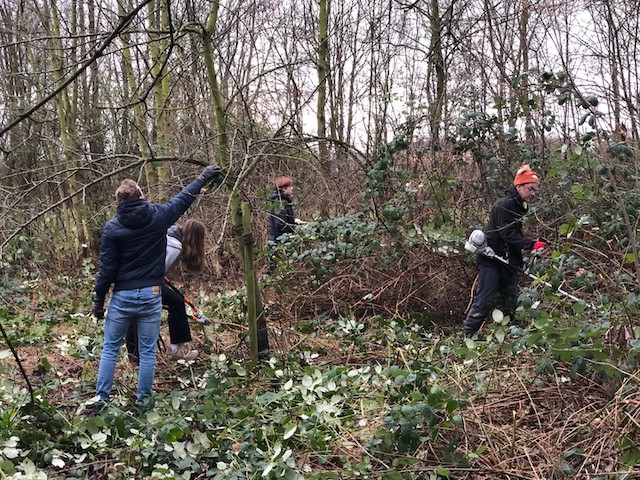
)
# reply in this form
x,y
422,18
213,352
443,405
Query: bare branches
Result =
x,y
97,54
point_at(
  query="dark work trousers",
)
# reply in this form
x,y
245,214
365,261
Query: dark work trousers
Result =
x,y
179,331
271,255
493,281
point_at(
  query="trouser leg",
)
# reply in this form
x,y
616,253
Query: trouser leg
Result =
x,y
179,330
149,306
115,327
483,299
509,289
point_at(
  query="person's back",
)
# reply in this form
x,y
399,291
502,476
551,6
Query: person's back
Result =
x,y
132,250
132,259
174,248
138,236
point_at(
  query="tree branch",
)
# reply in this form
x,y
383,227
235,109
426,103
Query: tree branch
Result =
x,y
98,53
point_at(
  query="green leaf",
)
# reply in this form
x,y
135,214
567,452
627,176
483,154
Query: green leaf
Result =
x,y
402,461
584,118
391,475
7,467
443,472
153,417
566,469
533,338
578,307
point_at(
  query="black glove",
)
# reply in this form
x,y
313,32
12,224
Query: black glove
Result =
x,y
209,172
98,308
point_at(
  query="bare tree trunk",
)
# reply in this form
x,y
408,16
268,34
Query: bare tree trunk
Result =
x,y
156,172
238,217
66,109
437,62
323,76
523,95
134,90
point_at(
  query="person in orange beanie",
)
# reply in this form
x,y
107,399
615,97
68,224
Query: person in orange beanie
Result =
x,y
504,235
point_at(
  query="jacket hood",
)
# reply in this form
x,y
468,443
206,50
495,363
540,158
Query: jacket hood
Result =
x,y
512,191
135,213
175,232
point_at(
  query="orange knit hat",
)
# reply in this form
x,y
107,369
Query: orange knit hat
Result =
x,y
525,175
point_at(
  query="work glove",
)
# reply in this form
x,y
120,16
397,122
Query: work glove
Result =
x,y
209,172
539,244
98,308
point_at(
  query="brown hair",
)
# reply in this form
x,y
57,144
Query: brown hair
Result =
x,y
193,245
127,190
283,182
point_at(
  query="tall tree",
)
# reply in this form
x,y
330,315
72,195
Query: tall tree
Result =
x,y
66,102
323,81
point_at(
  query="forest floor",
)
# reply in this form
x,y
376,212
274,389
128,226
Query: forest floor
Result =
x,y
527,424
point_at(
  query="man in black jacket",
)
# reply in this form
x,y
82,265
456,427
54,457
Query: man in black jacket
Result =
x,y
132,257
281,217
505,237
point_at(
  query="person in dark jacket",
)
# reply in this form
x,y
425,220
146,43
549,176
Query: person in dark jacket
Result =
x,y
132,259
505,237
281,217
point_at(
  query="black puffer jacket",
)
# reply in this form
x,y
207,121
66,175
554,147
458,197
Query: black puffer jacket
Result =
x,y
133,245
504,230
281,217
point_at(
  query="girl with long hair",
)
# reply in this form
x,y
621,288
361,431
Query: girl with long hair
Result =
x,y
184,244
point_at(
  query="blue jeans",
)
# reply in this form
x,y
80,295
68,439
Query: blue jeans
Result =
x,y
144,307
493,281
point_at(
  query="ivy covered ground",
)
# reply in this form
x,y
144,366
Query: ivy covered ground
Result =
x,y
368,375
344,394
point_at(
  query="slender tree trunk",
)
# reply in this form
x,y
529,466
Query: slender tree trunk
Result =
x,y
323,75
130,79
524,70
250,280
238,218
66,110
437,62
155,172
